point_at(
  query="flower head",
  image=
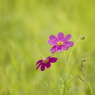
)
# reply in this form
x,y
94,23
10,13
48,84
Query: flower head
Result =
x,y
60,42
46,63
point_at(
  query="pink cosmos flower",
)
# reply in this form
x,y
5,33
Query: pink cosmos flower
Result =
x,y
60,42
46,63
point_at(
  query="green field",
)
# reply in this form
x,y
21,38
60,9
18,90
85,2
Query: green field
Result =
x,y
25,27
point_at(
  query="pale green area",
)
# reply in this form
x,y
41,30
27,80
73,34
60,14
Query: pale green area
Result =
x,y
25,26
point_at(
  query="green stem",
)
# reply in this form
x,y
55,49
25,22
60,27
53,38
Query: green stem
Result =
x,y
72,50
71,53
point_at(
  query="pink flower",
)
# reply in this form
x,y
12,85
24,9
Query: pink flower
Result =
x,y
46,63
60,42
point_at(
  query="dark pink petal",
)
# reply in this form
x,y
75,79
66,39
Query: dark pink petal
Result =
x,y
40,61
53,38
51,42
53,59
60,36
38,66
59,48
69,43
48,65
53,49
48,57
42,67
67,38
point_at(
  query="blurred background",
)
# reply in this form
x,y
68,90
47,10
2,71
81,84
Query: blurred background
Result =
x,y
25,27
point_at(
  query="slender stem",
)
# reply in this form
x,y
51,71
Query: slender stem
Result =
x,y
90,88
65,57
72,50
42,56
61,63
71,54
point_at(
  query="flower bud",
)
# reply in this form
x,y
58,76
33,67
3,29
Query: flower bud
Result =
x,y
83,60
82,37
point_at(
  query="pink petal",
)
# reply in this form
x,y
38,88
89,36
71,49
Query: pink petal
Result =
x,y
53,38
51,42
48,65
48,57
38,66
53,49
69,43
59,48
67,38
53,59
60,36
65,48
42,67
40,61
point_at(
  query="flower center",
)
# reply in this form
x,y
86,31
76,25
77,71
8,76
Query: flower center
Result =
x,y
60,43
46,61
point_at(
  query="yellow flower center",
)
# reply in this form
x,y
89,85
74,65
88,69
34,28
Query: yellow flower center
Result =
x,y
60,43
46,61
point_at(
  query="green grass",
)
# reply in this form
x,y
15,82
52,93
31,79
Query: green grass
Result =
x,y
25,26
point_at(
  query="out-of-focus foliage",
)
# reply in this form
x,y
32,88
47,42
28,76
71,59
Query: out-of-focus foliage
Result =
x,y
25,26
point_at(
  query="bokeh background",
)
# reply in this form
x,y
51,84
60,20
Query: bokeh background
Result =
x,y
25,26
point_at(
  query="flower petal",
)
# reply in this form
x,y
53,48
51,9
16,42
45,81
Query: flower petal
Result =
x,y
53,38
48,57
69,43
48,65
67,38
42,67
38,66
65,48
60,36
53,49
59,48
51,42
40,61
53,59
